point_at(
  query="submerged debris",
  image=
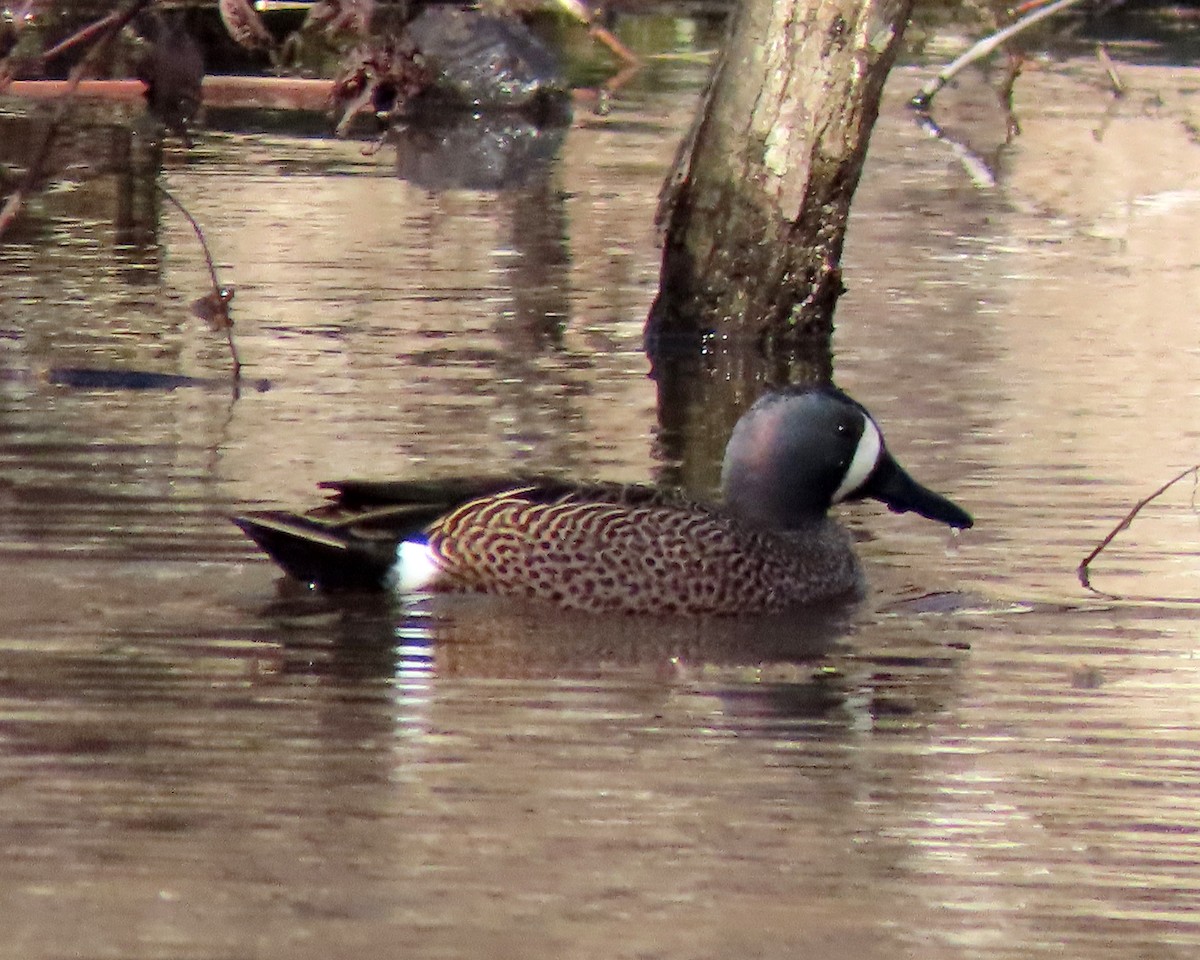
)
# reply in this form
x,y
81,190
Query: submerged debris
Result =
x,y
485,61
447,58
213,309
379,76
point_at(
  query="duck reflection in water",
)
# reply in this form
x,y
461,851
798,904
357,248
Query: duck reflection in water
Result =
x,y
768,546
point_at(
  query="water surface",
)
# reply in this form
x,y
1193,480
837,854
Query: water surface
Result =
x,y
980,759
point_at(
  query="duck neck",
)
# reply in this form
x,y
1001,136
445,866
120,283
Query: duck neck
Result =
x,y
771,509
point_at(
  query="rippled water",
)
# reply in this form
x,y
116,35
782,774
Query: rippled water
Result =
x,y
981,759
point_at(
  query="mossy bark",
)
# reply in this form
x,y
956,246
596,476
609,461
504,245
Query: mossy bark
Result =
x,y
756,209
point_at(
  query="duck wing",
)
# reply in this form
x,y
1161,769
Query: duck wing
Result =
x,y
349,542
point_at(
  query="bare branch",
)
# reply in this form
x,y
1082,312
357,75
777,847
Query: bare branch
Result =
x,y
1082,570
212,307
983,48
1114,78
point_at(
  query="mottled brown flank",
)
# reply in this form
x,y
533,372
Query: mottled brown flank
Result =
x,y
657,558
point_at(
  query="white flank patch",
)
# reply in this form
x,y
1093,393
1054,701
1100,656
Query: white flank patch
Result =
x,y
416,566
866,455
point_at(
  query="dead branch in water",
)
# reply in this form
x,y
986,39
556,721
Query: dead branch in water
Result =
x,y
1114,78
983,48
102,32
1082,570
213,307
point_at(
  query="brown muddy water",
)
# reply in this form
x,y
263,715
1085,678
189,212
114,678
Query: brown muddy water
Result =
x,y
980,759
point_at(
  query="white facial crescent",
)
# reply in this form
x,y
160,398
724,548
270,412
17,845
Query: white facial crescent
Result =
x,y
866,455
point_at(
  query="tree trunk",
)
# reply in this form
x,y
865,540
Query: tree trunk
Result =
x,y
756,208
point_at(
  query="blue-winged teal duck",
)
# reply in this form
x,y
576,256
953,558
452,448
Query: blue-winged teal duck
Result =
x,y
768,545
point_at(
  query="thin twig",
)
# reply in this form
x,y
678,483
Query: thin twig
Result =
x,y
215,307
115,20
981,49
1012,126
208,260
1126,521
1114,78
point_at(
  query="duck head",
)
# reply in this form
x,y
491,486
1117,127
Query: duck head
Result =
x,y
798,451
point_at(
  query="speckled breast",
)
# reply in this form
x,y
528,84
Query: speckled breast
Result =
x,y
651,559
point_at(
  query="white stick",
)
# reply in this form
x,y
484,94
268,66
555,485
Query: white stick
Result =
x,y
980,50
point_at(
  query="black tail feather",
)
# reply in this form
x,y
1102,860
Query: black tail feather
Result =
x,y
321,554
